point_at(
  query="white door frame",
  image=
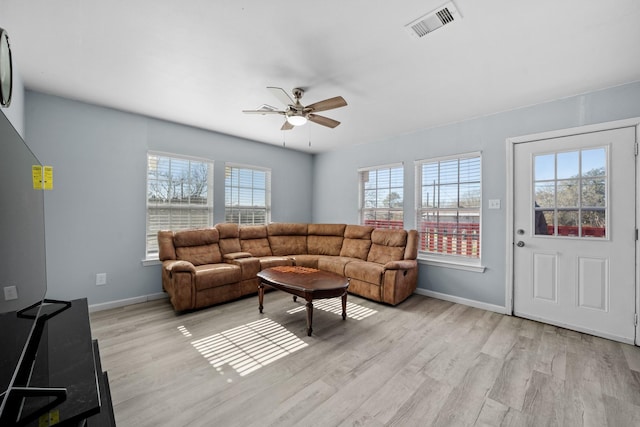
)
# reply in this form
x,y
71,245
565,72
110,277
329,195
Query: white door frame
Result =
x,y
511,142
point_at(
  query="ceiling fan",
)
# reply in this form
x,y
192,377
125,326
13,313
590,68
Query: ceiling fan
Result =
x,y
297,114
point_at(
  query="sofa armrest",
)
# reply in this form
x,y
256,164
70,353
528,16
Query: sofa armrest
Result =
x,y
178,280
405,264
178,266
236,255
400,280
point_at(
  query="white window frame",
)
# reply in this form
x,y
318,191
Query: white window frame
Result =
x,y
362,210
267,201
461,261
150,254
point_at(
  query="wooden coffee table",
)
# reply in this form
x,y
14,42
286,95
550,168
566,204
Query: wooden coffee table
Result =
x,y
307,283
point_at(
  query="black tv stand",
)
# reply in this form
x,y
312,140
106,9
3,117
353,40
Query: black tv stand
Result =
x,y
65,384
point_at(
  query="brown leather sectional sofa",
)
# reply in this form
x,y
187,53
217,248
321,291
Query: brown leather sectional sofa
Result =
x,y
214,265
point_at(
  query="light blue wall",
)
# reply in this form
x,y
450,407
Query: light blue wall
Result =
x,y
96,212
335,188
95,215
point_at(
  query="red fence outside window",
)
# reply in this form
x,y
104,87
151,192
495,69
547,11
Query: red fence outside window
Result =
x,y
443,238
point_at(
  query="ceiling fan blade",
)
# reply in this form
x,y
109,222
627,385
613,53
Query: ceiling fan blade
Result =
x,y
287,126
283,96
327,104
263,112
322,120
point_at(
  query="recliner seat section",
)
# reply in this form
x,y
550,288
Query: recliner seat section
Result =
x,y
209,266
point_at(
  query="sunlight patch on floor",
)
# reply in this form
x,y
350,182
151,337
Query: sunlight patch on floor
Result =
x,y
184,331
249,347
334,305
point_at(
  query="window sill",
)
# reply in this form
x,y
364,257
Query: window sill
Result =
x,y
474,267
151,261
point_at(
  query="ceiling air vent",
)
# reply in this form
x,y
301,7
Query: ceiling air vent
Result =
x,y
433,20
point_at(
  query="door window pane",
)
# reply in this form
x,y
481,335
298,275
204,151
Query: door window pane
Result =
x,y
593,194
545,196
593,162
568,193
594,223
545,167
568,166
570,190
544,222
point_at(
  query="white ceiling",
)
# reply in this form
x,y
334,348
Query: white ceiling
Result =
x,y
201,62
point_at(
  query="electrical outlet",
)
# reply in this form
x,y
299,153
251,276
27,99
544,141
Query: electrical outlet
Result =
x,y
101,279
494,204
10,292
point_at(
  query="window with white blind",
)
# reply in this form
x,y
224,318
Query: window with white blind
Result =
x,y
179,195
247,192
382,196
448,204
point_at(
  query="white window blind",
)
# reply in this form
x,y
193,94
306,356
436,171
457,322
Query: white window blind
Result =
x,y
449,205
382,196
247,192
179,195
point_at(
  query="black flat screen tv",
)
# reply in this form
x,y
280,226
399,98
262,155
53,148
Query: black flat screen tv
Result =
x,y
23,282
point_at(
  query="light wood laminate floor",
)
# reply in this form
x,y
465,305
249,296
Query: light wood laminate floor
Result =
x,y
425,362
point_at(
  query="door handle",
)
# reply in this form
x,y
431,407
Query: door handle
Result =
x,y
520,244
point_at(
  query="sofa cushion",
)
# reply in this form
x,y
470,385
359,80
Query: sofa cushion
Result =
x,y
287,238
274,261
355,248
411,251
166,250
334,264
310,261
387,245
253,239
198,246
229,237
358,232
324,245
357,241
325,239
214,275
200,255
366,271
196,237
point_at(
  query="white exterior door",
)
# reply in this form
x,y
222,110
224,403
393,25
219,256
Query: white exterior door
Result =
x,y
574,232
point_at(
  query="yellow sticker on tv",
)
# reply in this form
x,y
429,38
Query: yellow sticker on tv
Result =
x,y
48,177
36,172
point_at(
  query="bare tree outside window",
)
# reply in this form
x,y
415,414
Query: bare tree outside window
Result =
x,y
179,196
571,193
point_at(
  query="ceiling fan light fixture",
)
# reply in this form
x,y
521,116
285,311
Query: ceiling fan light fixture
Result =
x,y
297,120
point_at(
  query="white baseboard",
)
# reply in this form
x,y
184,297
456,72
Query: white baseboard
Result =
x,y
419,291
125,302
463,301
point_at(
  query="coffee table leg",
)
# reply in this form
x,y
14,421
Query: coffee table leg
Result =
x,y
309,317
344,306
260,296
